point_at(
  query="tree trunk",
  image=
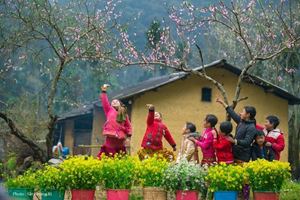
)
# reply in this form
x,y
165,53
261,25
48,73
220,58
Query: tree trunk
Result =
x,y
49,136
297,156
52,117
293,151
39,153
296,144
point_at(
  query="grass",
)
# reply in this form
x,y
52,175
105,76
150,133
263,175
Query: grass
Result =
x,y
136,197
290,191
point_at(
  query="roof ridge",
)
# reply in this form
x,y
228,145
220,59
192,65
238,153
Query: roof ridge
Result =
x,y
158,81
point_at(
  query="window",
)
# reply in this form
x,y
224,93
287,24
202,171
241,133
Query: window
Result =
x,y
206,94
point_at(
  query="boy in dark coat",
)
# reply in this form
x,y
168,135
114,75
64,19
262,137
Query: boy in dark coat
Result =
x,y
260,150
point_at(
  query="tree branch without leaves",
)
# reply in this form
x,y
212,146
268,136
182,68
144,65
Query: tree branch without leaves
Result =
x,y
53,118
38,152
240,32
277,53
183,68
251,64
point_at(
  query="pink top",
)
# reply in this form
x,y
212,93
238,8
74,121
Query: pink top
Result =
x,y
111,126
206,143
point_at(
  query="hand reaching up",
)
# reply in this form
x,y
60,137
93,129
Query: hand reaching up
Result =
x,y
150,106
104,87
174,148
220,101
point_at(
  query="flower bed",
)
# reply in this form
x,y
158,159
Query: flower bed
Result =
x,y
187,179
51,178
267,176
151,171
165,153
123,172
225,177
119,172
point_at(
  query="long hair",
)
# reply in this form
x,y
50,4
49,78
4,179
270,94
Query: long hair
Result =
x,y
122,113
212,119
252,111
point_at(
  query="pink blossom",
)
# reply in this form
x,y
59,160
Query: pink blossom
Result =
x,y
22,57
203,10
289,44
212,8
97,47
224,12
290,70
78,51
251,3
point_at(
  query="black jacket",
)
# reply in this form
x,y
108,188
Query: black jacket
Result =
x,y
245,133
266,153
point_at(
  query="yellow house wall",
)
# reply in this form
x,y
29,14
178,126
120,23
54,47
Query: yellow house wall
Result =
x,y
180,101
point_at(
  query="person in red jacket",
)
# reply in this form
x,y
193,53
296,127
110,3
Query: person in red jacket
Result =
x,y
155,131
222,146
274,137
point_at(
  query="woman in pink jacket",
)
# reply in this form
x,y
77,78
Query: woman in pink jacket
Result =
x,y
207,139
117,127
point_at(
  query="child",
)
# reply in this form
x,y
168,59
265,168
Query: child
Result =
x,y
156,130
245,131
260,150
117,128
188,149
221,144
274,137
206,140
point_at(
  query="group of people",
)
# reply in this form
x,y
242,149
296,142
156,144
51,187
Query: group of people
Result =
x,y
251,141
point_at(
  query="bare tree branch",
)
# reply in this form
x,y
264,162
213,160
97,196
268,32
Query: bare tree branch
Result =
x,y
39,153
242,99
240,32
81,36
187,70
239,82
251,64
3,103
277,53
201,58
